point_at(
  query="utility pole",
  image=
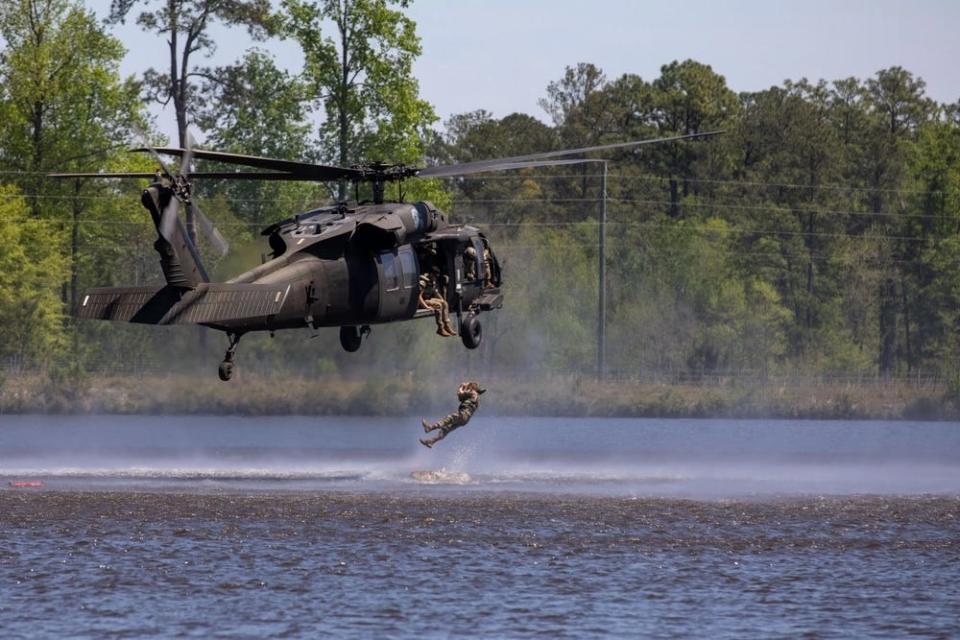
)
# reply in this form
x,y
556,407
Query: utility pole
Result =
x,y
601,269
602,285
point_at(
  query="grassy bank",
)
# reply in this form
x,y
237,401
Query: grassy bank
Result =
x,y
561,396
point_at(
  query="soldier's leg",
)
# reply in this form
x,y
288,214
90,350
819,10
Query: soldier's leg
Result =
x,y
445,312
435,304
435,439
441,434
427,427
445,426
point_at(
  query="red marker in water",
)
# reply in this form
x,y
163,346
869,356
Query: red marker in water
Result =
x,y
26,484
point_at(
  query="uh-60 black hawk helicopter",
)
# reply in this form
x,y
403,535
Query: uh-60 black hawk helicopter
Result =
x,y
348,265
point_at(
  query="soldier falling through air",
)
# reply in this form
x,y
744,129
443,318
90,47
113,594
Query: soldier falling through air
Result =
x,y
468,393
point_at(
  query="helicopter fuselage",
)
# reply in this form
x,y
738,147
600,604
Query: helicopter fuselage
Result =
x,y
361,266
340,266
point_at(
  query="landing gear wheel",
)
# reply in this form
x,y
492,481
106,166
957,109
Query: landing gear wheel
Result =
x,y
226,367
350,338
470,331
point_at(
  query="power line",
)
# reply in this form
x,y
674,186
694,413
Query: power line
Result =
x,y
507,249
708,205
634,224
636,177
732,230
771,208
681,179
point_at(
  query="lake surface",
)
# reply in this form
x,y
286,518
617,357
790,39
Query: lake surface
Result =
x,y
515,527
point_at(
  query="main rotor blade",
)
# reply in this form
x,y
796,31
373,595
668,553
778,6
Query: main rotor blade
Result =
x,y
497,164
149,149
298,170
207,175
504,166
250,175
102,175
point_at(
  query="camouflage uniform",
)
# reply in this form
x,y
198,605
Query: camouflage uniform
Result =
x,y
470,264
431,299
469,396
487,268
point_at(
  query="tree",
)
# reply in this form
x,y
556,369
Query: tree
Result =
x,y
64,108
63,103
32,268
567,96
190,19
504,196
897,107
186,24
363,78
255,108
933,272
688,97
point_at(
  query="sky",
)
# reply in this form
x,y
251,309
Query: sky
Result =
x,y
499,55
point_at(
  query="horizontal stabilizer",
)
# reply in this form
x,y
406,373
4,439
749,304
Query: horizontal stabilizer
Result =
x,y
206,304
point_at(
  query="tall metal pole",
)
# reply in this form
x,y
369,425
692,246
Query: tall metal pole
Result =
x,y
602,271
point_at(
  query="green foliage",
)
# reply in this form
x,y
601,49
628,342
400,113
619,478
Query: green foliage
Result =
x,y
362,77
32,269
254,108
64,108
185,26
818,236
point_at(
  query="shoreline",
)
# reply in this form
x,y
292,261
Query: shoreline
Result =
x,y
259,395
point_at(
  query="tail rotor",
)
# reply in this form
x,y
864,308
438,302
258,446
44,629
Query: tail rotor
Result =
x,y
180,186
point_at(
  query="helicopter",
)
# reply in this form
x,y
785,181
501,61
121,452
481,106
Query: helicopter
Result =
x,y
348,265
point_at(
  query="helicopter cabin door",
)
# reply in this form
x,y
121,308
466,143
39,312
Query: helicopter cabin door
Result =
x,y
398,274
468,270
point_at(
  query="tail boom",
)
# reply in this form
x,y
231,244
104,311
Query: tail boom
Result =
x,y
208,304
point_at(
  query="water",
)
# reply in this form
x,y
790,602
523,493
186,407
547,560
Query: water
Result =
x,y
306,527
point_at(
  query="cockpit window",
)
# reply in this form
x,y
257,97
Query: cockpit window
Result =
x,y
409,265
391,277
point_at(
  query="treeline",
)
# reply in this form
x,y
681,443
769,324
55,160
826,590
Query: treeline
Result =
x,y
818,236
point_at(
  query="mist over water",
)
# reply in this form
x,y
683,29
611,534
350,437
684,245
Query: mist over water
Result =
x,y
517,527
642,457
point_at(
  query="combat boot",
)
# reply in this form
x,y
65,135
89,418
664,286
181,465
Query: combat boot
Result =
x,y
427,443
426,426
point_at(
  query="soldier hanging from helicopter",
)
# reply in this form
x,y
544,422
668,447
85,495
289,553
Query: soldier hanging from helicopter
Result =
x,y
432,289
431,298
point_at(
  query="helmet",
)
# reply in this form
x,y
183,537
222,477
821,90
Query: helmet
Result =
x,y
476,386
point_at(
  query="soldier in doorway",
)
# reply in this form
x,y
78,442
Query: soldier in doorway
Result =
x,y
470,263
468,393
487,267
431,298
